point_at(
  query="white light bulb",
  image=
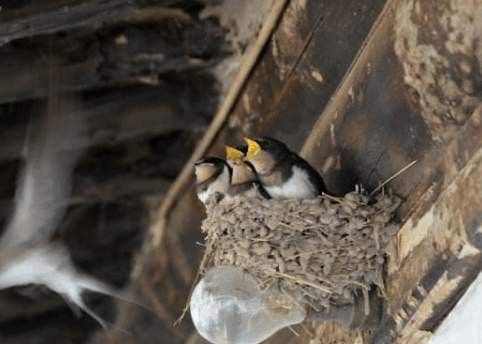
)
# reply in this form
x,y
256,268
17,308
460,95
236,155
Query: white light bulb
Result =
x,y
228,307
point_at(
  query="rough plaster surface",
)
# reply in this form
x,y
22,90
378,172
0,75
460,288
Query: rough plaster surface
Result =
x,y
242,21
439,44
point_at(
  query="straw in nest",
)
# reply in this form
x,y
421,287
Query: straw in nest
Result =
x,y
323,251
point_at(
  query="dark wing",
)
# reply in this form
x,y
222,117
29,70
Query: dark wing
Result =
x,y
261,190
313,175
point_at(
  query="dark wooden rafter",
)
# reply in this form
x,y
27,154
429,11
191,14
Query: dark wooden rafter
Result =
x,y
138,112
435,256
67,16
48,17
138,48
135,152
303,65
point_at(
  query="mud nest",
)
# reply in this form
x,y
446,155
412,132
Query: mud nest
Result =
x,y
323,252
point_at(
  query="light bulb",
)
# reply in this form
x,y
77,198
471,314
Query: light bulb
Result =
x,y
228,307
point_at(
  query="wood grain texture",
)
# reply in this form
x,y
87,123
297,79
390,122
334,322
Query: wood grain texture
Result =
x,y
372,127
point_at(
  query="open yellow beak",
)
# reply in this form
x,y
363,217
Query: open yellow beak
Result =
x,y
233,153
253,147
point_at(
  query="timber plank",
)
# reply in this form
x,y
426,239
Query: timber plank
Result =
x,y
371,129
64,16
141,49
119,116
290,87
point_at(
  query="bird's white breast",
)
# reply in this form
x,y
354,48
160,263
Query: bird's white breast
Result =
x,y
297,186
203,195
221,185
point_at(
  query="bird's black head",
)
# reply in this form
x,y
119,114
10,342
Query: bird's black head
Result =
x,y
276,148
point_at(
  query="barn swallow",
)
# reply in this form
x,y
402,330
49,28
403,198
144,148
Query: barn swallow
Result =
x,y
213,175
28,253
282,172
244,180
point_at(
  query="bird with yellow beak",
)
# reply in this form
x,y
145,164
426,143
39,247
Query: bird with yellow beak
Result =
x,y
213,175
282,172
244,180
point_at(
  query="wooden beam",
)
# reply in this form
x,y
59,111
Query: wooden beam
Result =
x,y
301,68
436,257
130,53
63,16
124,115
374,126
28,72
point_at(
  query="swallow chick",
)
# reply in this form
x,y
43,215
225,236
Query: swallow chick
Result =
x,y
244,180
282,172
213,175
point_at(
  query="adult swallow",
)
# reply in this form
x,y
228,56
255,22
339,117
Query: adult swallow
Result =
x,y
28,253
